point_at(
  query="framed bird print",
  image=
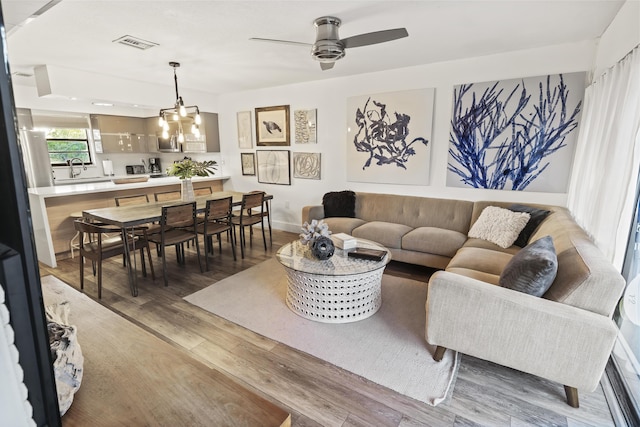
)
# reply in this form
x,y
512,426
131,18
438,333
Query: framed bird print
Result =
x,y
272,126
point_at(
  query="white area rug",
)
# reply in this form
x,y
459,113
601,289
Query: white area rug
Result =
x,y
388,348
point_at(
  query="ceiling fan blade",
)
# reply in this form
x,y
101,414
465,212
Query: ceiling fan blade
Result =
x,y
258,39
374,38
326,65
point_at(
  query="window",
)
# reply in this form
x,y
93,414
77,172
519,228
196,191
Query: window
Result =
x,y
626,352
67,144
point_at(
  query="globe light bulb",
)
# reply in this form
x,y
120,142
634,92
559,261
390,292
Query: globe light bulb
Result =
x,y
165,134
161,121
181,137
183,111
175,116
198,119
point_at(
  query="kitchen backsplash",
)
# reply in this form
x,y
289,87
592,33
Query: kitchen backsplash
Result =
x,y
121,160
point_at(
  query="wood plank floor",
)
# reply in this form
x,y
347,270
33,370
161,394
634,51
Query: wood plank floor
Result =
x,y
315,392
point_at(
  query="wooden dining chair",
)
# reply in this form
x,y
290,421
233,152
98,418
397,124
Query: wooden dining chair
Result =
x,y
165,196
137,199
177,226
266,212
217,220
101,247
251,213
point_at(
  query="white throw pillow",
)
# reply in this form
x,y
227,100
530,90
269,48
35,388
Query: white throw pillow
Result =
x,y
499,226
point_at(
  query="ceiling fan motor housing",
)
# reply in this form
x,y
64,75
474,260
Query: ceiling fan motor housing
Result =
x,y
327,47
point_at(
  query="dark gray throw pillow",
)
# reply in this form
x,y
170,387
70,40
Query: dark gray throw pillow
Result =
x,y
339,204
537,216
533,269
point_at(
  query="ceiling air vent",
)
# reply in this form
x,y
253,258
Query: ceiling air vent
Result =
x,y
135,42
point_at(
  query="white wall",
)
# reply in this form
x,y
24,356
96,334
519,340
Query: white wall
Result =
x,y
329,98
622,35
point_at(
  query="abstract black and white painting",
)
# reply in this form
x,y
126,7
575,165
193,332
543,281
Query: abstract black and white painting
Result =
x,y
306,165
515,134
389,137
274,166
305,126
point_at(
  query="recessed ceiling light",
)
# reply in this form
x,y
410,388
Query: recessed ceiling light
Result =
x,y
102,104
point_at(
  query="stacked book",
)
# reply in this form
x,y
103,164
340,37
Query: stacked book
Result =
x,y
344,241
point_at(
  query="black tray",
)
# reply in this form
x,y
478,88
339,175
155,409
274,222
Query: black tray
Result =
x,y
366,253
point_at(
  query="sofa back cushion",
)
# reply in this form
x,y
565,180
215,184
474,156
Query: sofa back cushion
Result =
x,y
415,211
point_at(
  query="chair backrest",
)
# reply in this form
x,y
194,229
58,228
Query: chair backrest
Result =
x,y
218,209
164,196
203,191
252,200
88,228
177,216
137,199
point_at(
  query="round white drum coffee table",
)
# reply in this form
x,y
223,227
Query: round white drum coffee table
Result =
x,y
338,290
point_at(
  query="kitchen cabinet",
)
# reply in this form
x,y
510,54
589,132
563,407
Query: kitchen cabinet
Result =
x,y
120,134
209,128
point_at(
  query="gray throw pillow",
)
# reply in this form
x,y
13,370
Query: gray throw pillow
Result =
x,y
533,269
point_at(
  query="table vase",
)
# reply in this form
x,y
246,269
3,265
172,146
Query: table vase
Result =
x,y
186,190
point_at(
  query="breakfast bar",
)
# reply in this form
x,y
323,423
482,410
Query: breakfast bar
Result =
x,y
51,207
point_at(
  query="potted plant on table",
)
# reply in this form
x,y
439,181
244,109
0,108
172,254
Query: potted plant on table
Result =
x,y
187,169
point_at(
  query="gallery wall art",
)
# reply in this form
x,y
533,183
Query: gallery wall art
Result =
x,y
274,166
245,137
389,137
272,126
517,134
305,126
248,161
306,165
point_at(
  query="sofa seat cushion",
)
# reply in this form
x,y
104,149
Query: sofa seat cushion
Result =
x,y
385,233
343,225
433,240
475,274
485,244
479,259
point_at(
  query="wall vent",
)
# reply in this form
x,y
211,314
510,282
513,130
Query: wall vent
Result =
x,y
135,42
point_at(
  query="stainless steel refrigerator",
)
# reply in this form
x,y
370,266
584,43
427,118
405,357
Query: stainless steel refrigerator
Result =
x,y
35,155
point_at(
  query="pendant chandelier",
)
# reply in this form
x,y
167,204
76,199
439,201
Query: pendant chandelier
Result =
x,y
190,115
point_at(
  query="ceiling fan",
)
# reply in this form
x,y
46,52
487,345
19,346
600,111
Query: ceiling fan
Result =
x,y
328,47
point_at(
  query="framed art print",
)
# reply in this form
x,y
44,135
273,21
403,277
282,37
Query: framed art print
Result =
x,y
245,139
248,163
272,126
306,165
274,166
305,126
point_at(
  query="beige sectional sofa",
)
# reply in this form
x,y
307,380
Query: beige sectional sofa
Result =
x,y
565,336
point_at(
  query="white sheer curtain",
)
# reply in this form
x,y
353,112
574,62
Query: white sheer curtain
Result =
x,y
605,172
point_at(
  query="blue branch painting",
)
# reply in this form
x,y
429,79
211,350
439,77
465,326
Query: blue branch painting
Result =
x,y
383,139
504,137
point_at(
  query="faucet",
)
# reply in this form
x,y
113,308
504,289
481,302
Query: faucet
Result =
x,y
72,172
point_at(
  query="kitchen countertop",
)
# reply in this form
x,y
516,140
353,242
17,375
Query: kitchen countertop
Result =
x,y
97,187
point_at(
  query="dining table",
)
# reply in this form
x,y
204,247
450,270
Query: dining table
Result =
x,y
131,216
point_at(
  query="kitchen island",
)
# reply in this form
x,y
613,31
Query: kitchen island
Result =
x,y
51,207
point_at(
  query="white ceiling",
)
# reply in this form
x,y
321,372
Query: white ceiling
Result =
x,y
211,38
